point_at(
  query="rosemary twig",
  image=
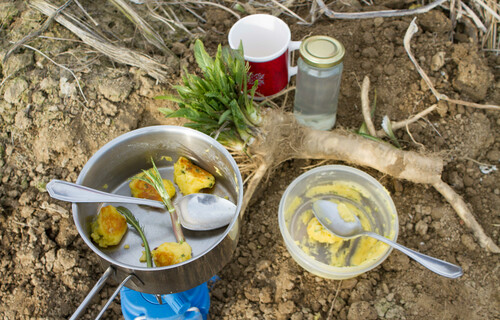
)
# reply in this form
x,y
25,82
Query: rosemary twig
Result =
x,y
153,178
134,223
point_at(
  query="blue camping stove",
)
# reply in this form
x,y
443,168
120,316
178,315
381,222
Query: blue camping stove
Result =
x,y
192,304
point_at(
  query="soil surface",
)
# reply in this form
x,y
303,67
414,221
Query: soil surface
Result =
x,y
49,132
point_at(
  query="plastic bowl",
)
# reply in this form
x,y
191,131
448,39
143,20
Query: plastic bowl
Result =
x,y
374,202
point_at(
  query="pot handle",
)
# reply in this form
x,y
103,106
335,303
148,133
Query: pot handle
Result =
x,y
97,287
113,296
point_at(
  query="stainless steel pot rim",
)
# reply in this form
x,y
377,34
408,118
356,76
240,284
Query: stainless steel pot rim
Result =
x,y
152,129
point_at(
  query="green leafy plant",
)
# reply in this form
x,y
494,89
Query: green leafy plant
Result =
x,y
218,103
140,229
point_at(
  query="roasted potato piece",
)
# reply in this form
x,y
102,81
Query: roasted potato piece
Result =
x,y
109,227
190,178
141,189
170,253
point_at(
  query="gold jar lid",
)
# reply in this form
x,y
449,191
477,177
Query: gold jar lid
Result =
x,y
322,51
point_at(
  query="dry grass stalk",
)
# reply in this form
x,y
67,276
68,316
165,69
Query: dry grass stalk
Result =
x,y
38,32
120,54
60,66
377,14
421,146
218,5
86,13
405,123
144,28
489,8
196,15
167,21
5,79
412,29
474,18
491,14
289,11
178,21
330,312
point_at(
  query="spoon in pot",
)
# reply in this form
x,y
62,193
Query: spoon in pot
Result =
x,y
328,215
197,211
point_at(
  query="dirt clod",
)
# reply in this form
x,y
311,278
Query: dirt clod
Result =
x,y
361,310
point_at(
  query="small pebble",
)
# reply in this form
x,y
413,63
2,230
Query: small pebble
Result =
x,y
437,61
421,228
493,156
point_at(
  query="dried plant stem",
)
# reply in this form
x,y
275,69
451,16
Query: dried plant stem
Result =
x,y
86,13
377,14
289,11
412,29
466,215
60,66
253,183
330,312
405,123
453,17
413,139
117,53
177,21
158,17
194,13
206,3
5,80
271,98
38,32
488,9
474,17
146,30
491,39
365,106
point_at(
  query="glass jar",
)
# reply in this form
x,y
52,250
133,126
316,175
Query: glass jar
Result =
x,y
318,82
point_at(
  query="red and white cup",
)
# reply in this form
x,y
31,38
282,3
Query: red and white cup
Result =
x,y
266,45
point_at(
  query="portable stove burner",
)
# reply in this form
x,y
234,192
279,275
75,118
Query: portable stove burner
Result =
x,y
192,304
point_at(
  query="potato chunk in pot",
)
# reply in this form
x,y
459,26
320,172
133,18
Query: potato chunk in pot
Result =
x,y
141,189
109,227
190,178
170,253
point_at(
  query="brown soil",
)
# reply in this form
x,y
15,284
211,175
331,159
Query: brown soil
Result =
x,y
48,133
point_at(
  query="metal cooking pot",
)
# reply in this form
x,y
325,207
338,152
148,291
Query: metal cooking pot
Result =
x,y
110,169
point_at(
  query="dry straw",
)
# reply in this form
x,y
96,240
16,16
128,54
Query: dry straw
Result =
x,y
118,53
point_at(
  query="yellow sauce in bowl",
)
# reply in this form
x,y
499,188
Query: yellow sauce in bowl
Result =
x,y
316,241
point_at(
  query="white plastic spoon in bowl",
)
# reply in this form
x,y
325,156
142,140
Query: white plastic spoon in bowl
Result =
x,y
197,211
328,215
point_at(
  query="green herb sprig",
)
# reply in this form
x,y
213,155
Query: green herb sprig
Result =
x,y
218,103
140,229
153,178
